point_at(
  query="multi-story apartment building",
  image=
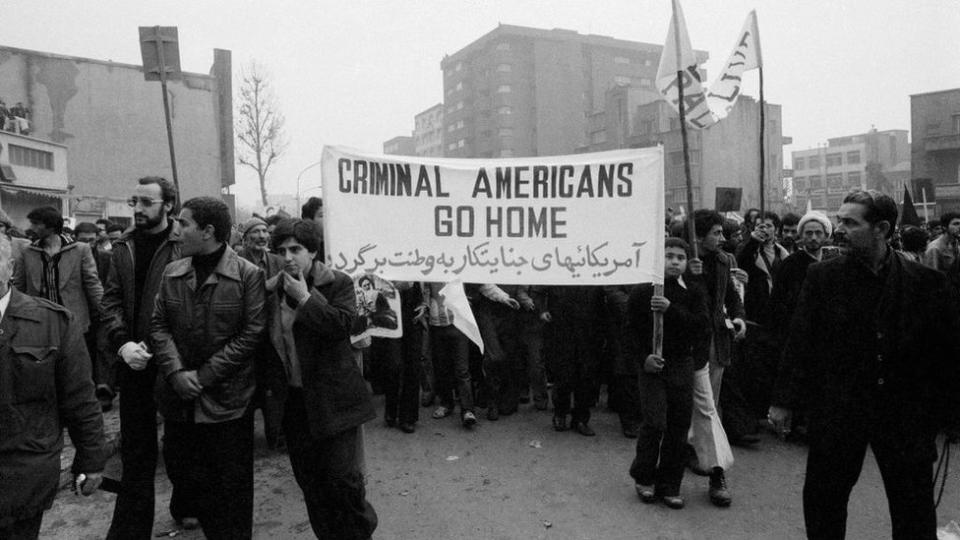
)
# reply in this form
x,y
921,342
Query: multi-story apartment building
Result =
x,y
428,132
520,91
873,160
401,146
935,121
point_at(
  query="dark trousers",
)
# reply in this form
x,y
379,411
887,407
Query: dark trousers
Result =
x,y
451,366
833,467
400,361
214,462
762,359
739,418
133,512
22,529
500,346
625,393
531,373
667,403
577,378
329,474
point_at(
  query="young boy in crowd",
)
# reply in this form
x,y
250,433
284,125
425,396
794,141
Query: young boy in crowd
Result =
x,y
666,381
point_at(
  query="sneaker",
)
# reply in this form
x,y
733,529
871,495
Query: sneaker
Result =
x,y
441,412
647,494
673,501
719,494
469,419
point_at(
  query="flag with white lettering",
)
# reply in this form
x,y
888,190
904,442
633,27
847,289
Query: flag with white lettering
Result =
x,y
678,66
745,56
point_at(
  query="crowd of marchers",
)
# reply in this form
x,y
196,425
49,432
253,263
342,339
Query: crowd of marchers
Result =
x,y
834,333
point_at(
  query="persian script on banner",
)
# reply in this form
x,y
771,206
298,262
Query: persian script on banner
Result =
x,y
585,219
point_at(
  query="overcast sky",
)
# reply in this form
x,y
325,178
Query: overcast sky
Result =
x,y
355,72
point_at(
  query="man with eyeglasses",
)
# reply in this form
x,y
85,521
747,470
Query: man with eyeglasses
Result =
x,y
138,260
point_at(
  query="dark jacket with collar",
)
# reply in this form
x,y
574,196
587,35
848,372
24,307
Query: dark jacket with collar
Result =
x,y
79,286
336,396
268,367
846,359
685,323
45,385
725,304
119,295
762,275
213,328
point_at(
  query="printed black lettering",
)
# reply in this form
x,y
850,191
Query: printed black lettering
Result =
x,y
482,184
343,164
624,171
503,182
605,180
423,183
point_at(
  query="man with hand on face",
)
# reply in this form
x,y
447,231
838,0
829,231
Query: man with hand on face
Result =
x,y
207,323
137,261
327,399
45,385
872,355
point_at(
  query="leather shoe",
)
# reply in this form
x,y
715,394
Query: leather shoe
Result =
x,y
673,501
560,423
492,413
748,440
647,494
407,427
583,429
719,494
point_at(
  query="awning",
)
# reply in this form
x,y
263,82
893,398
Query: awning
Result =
x,y
56,194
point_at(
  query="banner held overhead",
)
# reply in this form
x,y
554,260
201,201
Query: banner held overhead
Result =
x,y
585,219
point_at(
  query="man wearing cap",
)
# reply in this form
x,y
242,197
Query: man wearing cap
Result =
x,y
271,381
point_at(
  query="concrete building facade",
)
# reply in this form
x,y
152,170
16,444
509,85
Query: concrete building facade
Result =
x,y
874,160
401,146
110,120
935,121
519,91
428,132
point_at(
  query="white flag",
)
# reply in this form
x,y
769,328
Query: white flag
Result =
x,y
678,57
745,56
455,299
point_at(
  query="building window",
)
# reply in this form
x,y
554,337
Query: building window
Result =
x,y
459,124
834,160
646,126
461,143
645,83
798,163
460,85
458,67
621,80
835,181
621,60
503,46
505,110
813,162
816,182
506,152
648,62
956,123
598,137
503,89
504,68
799,184
459,105
853,179
452,146
505,132
853,157
834,201
451,127
30,157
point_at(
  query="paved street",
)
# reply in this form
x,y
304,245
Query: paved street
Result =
x,y
518,479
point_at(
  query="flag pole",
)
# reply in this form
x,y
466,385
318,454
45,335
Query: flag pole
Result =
x,y
762,144
683,131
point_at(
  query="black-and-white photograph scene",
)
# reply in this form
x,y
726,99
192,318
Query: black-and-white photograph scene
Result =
x,y
480,270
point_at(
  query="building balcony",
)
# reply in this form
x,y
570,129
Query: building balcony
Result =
x,y
939,143
32,163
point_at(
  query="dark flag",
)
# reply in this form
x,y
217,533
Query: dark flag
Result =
x,y
908,215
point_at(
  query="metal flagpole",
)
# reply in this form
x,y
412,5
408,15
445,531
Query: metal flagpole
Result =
x,y
683,131
762,144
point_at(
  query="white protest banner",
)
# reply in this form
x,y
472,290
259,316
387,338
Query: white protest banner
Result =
x,y
587,219
745,56
678,66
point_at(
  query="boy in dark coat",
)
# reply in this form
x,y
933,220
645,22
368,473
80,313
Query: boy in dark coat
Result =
x,y
666,382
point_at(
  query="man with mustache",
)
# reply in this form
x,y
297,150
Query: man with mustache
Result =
x,y
138,259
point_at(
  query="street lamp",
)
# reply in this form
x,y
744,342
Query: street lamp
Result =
x,y
305,169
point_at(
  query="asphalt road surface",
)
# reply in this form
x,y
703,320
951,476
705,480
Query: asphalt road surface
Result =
x,y
518,479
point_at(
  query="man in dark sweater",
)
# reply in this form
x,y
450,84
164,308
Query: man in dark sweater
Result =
x,y
137,262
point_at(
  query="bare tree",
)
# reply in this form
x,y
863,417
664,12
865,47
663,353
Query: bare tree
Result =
x,y
259,124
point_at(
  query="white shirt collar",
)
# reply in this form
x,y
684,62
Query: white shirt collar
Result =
x,y
4,302
681,282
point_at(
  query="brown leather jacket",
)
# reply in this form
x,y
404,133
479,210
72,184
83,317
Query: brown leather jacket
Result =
x,y
213,329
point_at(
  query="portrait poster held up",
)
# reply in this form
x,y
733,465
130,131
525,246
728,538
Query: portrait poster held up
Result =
x,y
378,308
586,219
